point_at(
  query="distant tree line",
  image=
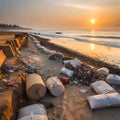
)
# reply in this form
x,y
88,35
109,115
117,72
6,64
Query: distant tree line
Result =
x,y
9,26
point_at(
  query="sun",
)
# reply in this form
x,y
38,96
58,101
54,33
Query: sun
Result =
x,y
93,21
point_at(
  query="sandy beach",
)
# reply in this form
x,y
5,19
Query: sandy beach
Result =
x,y
72,105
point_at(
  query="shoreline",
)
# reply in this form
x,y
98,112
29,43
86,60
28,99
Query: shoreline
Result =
x,y
71,53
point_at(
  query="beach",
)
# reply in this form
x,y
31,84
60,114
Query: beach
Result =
x,y
72,105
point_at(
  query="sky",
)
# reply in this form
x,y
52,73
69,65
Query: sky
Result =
x,y
69,14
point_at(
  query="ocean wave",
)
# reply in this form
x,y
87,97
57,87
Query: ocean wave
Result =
x,y
110,41
112,37
110,44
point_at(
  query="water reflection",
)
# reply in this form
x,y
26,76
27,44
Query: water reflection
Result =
x,y
92,46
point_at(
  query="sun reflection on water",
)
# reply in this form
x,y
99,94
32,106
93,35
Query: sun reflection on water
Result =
x,y
92,46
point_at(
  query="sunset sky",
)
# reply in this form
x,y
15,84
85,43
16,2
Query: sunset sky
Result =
x,y
61,13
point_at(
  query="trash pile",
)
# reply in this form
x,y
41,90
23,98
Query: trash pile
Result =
x,y
80,73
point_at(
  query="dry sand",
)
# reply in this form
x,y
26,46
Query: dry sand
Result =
x,y
72,105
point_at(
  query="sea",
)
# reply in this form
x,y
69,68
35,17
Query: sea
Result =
x,y
102,37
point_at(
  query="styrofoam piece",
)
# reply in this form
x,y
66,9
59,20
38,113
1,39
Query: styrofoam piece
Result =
x,y
52,52
113,79
104,100
41,47
55,86
55,53
67,72
101,87
37,42
38,45
46,51
35,87
32,112
103,71
75,62
66,61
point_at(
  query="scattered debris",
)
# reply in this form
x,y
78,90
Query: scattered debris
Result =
x,y
84,75
7,68
83,90
56,56
65,80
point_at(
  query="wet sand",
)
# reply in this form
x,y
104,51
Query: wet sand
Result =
x,y
107,54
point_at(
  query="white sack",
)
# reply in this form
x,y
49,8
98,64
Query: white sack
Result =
x,y
113,79
101,87
104,100
67,72
103,71
32,112
75,63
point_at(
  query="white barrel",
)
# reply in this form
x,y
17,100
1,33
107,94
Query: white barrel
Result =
x,y
55,86
35,87
32,112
